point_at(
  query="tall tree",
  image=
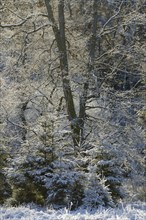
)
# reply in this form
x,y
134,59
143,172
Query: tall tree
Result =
x,y
77,120
60,38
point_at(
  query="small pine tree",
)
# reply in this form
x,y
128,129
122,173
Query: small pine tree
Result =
x,y
65,189
112,167
29,171
96,192
33,161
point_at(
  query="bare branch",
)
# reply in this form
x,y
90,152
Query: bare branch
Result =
x,y
111,18
16,25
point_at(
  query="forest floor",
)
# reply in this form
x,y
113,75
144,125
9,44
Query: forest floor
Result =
x,y
128,212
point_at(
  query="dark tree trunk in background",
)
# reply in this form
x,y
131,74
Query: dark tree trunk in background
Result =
x,y
59,33
90,68
23,107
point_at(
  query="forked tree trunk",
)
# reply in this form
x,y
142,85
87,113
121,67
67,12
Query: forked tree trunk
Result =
x,y
77,122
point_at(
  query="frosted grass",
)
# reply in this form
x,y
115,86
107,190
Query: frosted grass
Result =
x,y
128,212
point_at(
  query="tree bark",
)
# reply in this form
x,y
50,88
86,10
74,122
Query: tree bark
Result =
x,y
90,68
82,110
60,38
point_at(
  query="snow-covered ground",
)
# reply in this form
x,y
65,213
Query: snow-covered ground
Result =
x,y
129,212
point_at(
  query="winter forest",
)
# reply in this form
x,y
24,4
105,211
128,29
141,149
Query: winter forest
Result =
x,y
73,93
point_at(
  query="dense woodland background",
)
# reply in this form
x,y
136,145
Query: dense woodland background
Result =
x,y
72,102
